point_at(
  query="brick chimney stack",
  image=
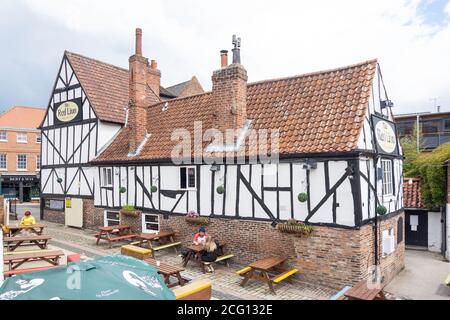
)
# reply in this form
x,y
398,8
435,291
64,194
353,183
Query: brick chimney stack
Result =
x,y
229,94
143,91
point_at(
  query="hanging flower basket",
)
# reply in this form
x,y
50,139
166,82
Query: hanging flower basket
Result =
x,y
153,189
122,189
194,218
130,211
59,180
295,227
381,210
302,197
220,189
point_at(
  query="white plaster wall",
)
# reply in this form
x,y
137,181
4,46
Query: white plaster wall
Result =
x,y
434,231
106,132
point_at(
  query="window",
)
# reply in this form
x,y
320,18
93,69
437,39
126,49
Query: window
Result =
x,y
2,161
3,136
388,244
22,137
38,162
386,169
187,178
405,128
446,126
54,204
21,162
399,230
38,138
150,223
430,126
106,177
112,218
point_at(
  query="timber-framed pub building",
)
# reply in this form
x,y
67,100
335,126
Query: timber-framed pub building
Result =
x,y
108,141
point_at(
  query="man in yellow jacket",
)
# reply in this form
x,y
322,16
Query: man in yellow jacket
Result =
x,y
27,219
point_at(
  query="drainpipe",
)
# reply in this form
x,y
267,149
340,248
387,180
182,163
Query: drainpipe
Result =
x,y
417,131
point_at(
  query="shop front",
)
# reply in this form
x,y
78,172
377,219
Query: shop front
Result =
x,y
23,187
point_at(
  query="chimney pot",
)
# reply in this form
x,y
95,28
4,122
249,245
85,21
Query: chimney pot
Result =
x,y
139,41
154,65
224,58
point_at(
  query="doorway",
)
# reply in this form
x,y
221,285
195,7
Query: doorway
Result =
x,y
416,228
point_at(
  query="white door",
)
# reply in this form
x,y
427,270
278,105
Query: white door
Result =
x,y
74,212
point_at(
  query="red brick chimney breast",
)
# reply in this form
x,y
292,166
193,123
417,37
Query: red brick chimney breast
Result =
x,y
143,91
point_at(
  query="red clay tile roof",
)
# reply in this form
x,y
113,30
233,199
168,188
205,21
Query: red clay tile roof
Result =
x,y
105,85
22,117
316,113
411,193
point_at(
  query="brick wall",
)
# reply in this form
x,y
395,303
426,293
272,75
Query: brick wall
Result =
x,y
333,257
54,216
2,210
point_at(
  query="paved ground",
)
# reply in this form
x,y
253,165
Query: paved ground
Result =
x,y
225,281
34,208
422,278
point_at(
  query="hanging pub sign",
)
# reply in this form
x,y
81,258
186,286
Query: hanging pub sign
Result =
x,y
385,136
69,111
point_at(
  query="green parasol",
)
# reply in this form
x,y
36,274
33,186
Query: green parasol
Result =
x,y
114,277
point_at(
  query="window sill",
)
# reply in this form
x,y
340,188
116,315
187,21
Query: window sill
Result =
x,y
22,170
22,142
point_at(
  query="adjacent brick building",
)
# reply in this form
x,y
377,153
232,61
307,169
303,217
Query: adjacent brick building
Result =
x,y
20,147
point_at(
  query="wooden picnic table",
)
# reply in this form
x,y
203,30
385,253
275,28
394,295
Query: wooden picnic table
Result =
x,y
12,243
361,291
149,237
14,230
194,253
259,270
115,233
16,260
167,271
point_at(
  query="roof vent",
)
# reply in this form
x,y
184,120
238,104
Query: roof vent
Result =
x,y
165,107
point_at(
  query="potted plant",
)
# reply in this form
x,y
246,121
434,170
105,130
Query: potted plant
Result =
x,y
293,226
194,218
129,210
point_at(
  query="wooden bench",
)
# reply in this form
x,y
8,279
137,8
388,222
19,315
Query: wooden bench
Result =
x,y
16,260
22,271
196,290
284,275
242,272
225,258
114,239
12,243
165,246
136,252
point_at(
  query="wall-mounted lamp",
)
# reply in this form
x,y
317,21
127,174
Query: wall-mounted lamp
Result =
x,y
386,104
310,164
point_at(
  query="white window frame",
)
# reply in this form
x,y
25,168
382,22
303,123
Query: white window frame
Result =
x,y
38,138
144,223
106,220
21,134
17,163
387,181
106,174
5,139
187,178
6,162
38,162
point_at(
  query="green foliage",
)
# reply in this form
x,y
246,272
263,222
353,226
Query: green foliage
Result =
x,y
411,152
122,189
302,197
220,189
128,208
430,168
381,210
153,189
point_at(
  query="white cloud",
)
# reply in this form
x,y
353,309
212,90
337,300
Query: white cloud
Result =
x,y
280,38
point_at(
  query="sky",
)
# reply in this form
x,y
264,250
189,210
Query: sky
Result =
x,y
410,38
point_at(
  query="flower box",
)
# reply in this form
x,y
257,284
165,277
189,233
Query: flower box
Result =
x,y
299,229
198,220
130,212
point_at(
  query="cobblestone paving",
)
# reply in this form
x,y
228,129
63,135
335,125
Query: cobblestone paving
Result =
x,y
225,281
